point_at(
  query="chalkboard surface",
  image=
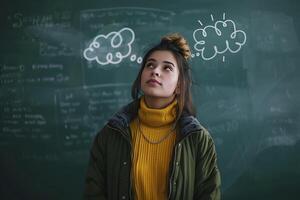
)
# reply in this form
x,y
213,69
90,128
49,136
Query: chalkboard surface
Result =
x,y
58,86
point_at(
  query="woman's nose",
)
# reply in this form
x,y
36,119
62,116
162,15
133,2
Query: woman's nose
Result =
x,y
155,72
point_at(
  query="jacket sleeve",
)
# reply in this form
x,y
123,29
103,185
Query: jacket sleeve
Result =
x,y
95,187
208,181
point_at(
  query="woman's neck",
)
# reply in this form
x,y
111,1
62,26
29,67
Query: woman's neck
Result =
x,y
158,102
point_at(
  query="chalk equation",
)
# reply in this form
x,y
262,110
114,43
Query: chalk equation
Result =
x,y
112,48
216,39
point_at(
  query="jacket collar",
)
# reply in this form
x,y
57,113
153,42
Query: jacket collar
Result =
x,y
125,115
122,119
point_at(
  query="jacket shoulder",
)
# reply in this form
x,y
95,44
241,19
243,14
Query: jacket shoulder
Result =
x,y
192,128
124,116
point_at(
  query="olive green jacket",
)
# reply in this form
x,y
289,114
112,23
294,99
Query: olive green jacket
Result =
x,y
193,170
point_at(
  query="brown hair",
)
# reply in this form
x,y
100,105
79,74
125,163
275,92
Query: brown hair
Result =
x,y
179,47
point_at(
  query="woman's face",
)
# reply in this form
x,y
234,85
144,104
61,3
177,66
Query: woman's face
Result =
x,y
160,75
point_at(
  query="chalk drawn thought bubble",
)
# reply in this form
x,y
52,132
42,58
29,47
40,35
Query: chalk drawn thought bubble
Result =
x,y
218,39
111,48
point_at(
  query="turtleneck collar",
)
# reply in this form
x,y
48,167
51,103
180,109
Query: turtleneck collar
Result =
x,y
157,117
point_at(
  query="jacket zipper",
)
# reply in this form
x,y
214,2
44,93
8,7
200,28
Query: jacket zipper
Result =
x,y
174,160
173,171
174,163
129,141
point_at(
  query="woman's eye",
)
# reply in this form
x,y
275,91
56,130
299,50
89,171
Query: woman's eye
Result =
x,y
149,65
169,68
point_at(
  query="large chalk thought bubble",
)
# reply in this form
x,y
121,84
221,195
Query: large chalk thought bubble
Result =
x,y
111,48
217,39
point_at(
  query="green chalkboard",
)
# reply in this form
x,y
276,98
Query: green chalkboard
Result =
x,y
58,87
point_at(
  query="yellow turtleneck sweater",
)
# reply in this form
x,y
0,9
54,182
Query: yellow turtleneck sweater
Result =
x,y
151,162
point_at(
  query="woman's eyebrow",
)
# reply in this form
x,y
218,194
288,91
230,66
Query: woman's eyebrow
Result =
x,y
168,62
165,61
151,59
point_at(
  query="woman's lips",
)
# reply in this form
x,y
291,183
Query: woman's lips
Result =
x,y
153,81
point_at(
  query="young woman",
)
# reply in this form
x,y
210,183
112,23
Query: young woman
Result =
x,y
154,148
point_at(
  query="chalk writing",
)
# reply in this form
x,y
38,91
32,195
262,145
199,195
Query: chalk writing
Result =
x,y
112,46
57,19
225,127
21,122
30,74
82,111
50,50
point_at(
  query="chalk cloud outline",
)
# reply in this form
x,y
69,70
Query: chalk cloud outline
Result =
x,y
233,45
116,42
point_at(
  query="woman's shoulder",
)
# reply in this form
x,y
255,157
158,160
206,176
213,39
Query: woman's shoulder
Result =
x,y
125,114
189,123
191,126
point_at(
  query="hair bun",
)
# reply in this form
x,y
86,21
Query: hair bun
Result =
x,y
180,42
